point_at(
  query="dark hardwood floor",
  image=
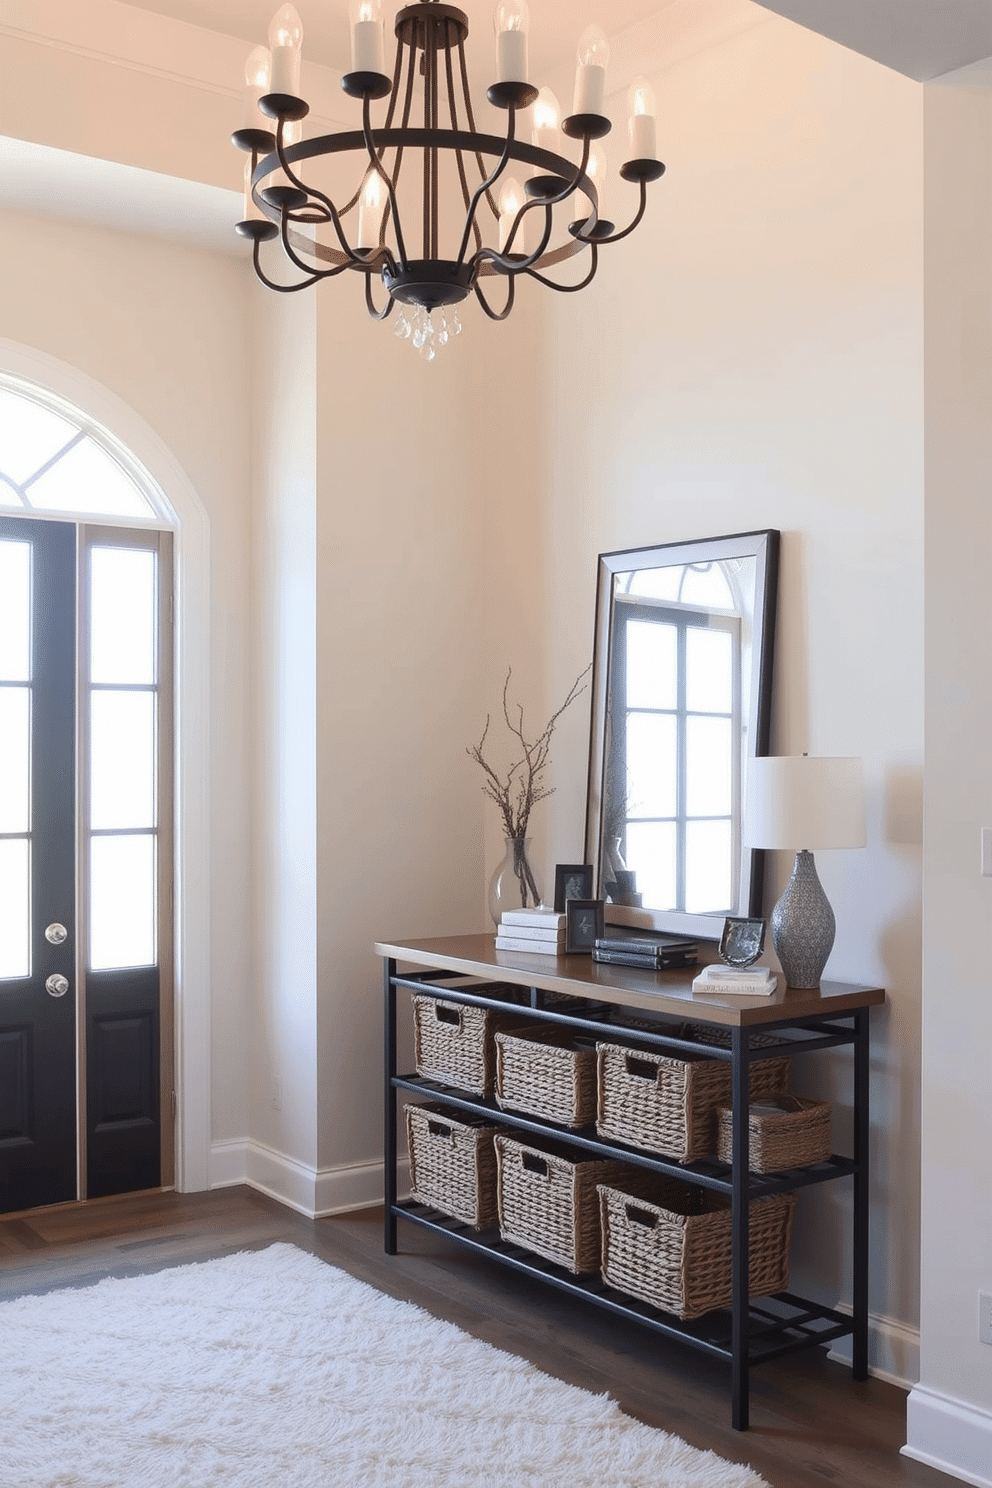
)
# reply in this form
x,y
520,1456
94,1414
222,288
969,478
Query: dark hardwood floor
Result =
x,y
811,1424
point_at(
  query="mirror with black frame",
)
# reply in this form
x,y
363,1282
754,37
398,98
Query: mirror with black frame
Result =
x,y
682,674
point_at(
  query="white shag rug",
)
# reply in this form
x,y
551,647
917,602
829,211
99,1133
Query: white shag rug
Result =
x,y
270,1369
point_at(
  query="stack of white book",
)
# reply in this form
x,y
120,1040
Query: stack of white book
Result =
x,y
751,981
540,931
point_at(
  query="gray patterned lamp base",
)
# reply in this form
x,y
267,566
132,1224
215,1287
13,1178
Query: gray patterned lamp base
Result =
x,y
803,926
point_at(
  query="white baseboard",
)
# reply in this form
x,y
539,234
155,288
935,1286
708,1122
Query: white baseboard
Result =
x,y
950,1435
893,1349
314,1192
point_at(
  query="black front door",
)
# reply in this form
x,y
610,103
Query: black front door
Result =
x,y
85,809
38,992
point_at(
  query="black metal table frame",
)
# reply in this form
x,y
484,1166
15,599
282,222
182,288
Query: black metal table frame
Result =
x,y
755,1331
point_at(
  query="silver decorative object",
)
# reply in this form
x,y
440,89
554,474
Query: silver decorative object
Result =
x,y
803,925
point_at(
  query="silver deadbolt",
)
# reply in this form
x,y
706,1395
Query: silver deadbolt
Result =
x,y
57,985
56,934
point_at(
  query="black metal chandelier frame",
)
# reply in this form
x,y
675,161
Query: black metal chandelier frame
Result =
x,y
434,33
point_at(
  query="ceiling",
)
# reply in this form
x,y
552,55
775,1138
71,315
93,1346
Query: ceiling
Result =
x,y
920,38
554,29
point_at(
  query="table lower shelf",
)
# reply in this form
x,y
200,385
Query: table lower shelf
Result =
x,y
708,1173
777,1325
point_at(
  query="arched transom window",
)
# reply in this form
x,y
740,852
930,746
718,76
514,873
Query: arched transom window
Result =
x,y
52,462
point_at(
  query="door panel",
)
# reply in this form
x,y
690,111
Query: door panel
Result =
x,y
126,815
86,1063
37,1029
122,1085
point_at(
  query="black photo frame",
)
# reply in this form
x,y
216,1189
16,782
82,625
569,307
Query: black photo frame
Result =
x,y
742,941
585,923
572,881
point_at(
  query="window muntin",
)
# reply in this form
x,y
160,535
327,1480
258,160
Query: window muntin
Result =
x,y
51,462
674,748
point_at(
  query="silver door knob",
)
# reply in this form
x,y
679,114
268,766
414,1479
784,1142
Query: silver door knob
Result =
x,y
57,985
56,934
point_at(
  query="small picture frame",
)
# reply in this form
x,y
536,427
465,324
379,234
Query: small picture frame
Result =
x,y
742,941
572,881
585,923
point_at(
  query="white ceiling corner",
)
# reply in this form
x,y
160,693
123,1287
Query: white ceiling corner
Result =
x,y
923,39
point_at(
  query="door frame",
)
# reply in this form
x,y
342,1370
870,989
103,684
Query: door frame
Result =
x,y
167,485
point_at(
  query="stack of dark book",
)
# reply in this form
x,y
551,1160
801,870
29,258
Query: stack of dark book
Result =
x,y
644,948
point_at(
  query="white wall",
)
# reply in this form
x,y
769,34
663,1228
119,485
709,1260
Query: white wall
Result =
x,y
165,330
406,521
950,1413
753,357
281,1155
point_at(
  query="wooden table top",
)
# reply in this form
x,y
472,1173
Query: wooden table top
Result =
x,y
626,986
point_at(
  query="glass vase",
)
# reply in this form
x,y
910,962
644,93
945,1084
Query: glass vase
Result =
x,y
513,885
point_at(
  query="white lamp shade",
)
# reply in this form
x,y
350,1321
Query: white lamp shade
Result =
x,y
804,801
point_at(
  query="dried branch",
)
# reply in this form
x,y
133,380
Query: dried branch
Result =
x,y
518,791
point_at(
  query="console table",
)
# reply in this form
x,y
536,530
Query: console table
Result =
x,y
599,996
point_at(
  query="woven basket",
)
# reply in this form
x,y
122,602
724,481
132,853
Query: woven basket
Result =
x,y
454,1043
768,1077
660,1102
788,1131
452,1163
547,1073
674,1250
548,1203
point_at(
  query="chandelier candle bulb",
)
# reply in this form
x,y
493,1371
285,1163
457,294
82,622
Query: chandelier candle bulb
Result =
x,y
590,75
285,43
510,22
367,43
256,83
547,121
643,141
371,205
511,199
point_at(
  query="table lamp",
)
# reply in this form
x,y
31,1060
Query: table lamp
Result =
x,y
804,802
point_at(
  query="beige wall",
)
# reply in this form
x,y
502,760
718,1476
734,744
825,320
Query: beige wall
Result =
x,y
165,329
284,1080
950,1414
407,525
753,357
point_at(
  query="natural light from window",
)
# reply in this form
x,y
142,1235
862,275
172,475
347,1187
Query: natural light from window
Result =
x,y
50,465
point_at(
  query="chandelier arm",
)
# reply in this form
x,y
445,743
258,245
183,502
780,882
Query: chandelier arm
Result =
x,y
298,262
615,237
470,115
459,161
394,90
569,288
271,284
331,210
291,176
494,314
370,303
484,189
383,175
430,151
520,263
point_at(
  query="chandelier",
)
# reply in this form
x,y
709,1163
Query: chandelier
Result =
x,y
492,227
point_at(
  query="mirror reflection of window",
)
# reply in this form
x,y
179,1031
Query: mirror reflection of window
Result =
x,y
672,791
682,689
